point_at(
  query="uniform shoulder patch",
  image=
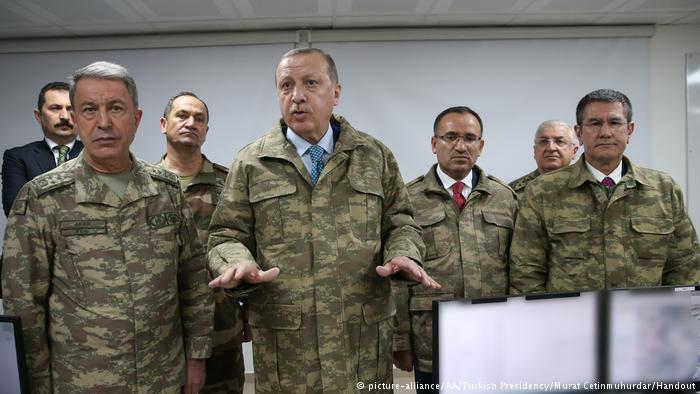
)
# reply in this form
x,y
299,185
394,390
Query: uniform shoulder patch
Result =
x,y
52,180
162,174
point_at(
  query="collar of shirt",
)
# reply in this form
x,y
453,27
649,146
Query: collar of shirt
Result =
x,y
447,182
52,145
616,175
302,146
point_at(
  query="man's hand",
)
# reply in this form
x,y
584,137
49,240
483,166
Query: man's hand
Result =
x,y
194,368
409,270
247,272
403,360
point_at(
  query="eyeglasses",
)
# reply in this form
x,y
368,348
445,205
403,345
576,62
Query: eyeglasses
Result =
x,y
559,142
453,139
596,125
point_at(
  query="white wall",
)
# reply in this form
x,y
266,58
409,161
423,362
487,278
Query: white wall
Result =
x,y
668,48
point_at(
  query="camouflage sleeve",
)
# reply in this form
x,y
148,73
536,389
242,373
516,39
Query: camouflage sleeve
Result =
x,y
196,298
401,236
529,247
28,253
231,231
683,266
402,322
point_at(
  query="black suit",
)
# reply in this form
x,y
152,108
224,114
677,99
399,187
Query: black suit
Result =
x,y
21,164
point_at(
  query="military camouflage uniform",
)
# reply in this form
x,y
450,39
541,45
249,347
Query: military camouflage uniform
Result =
x,y
519,184
112,292
570,236
466,252
225,371
325,323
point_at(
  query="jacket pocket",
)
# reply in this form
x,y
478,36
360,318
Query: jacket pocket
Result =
x,y
569,237
276,209
651,237
437,236
365,206
375,356
498,228
278,349
421,309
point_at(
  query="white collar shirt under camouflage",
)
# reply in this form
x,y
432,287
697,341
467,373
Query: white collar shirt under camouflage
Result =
x,y
448,181
302,146
615,175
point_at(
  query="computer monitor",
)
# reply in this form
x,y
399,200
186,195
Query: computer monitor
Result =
x,y
12,362
535,343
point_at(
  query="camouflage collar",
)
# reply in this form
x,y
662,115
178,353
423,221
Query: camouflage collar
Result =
x,y
205,176
433,185
630,178
89,188
276,145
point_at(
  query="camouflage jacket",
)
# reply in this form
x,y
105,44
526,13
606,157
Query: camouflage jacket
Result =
x,y
519,184
202,195
466,252
325,323
112,292
570,236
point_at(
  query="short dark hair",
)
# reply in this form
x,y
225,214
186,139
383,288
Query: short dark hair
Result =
x,y
605,96
56,85
169,104
331,69
457,110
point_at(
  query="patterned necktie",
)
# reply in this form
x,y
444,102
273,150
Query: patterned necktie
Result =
x,y
608,183
457,196
62,154
316,153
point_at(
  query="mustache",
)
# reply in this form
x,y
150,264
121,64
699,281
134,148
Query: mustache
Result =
x,y
63,122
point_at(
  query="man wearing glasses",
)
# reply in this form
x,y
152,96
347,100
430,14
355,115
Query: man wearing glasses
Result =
x,y
467,220
555,146
603,222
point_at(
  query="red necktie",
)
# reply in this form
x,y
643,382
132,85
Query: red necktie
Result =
x,y
457,196
608,183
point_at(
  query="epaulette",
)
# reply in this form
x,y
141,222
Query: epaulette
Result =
x,y
500,182
52,180
219,167
162,174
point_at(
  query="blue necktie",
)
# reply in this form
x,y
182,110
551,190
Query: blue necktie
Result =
x,y
316,153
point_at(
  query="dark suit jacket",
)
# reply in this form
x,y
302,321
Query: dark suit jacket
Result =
x,y
21,164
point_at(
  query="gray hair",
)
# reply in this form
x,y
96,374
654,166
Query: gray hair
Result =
x,y
554,123
331,69
104,70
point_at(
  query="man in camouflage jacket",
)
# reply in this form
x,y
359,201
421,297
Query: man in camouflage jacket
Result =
x,y
603,222
322,243
185,126
466,246
555,147
102,260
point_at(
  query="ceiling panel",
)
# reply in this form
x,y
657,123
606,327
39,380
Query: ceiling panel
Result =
x,y
470,20
588,6
392,7
664,5
78,10
10,18
262,8
639,18
377,21
184,9
483,6
556,19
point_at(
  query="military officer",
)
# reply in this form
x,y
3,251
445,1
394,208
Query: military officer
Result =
x,y
555,147
603,222
317,214
467,220
102,260
185,123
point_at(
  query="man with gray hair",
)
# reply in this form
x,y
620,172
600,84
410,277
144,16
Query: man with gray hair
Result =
x,y
103,263
603,222
555,147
